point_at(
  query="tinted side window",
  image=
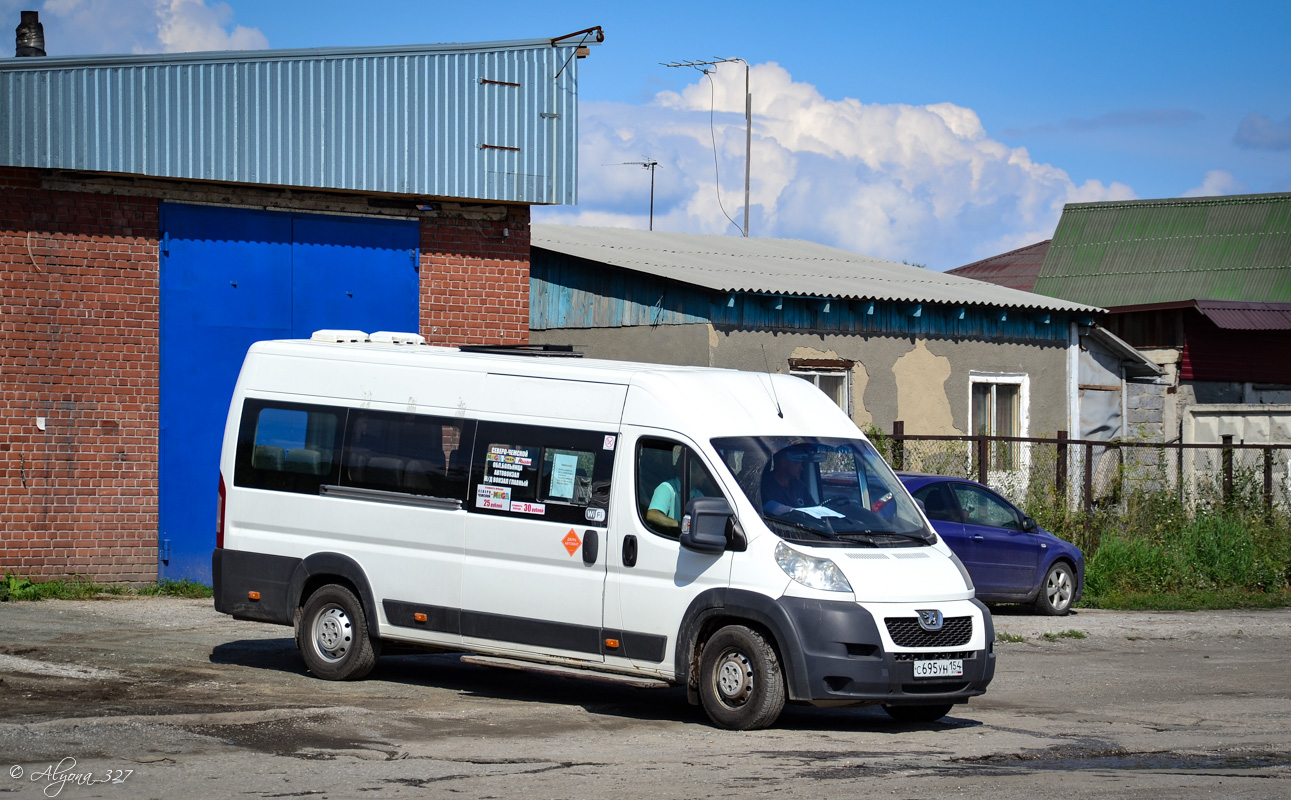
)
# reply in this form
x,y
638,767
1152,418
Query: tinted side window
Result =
x,y
937,502
983,508
668,475
406,453
289,447
542,473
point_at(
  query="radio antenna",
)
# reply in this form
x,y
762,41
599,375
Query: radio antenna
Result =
x,y
774,396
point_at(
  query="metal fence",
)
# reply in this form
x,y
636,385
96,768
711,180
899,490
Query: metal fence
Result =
x,y
1079,474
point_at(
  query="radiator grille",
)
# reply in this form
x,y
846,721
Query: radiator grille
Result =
x,y
906,632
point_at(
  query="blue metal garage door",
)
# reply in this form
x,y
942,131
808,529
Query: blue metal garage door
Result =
x,y
231,277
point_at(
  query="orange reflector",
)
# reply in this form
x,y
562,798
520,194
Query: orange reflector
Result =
x,y
612,644
419,617
253,595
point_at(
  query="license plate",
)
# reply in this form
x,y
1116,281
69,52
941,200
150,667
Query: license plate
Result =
x,y
945,668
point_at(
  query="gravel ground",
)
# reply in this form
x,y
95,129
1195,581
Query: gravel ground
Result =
x,y
169,698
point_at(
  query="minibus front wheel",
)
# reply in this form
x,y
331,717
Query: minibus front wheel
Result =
x,y
333,637
741,684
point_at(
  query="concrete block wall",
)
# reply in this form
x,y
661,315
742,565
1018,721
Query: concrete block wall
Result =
x,y
1145,412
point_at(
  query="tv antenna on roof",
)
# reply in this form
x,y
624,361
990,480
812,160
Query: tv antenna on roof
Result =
x,y
650,164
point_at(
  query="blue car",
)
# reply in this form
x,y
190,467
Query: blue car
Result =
x,y
1008,556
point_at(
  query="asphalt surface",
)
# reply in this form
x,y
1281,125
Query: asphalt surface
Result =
x,y
155,697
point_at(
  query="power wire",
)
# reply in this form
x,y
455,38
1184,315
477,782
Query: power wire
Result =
x,y
712,131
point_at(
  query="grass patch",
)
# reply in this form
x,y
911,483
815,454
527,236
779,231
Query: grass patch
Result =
x,y
1070,633
1212,600
1001,636
181,588
15,587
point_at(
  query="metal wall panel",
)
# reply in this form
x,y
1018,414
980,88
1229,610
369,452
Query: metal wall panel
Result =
x,y
567,292
404,120
234,276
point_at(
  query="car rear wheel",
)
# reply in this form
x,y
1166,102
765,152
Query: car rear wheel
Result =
x,y
1056,591
740,682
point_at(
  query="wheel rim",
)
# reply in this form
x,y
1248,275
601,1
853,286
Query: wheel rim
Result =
x,y
1058,589
333,633
734,678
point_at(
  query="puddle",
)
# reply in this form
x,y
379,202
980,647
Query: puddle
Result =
x,y
1068,760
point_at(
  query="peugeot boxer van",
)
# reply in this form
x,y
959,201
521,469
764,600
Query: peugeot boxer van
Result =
x,y
730,532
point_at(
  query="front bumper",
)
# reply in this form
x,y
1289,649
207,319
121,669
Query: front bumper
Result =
x,y
848,659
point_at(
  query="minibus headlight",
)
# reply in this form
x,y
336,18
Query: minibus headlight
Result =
x,y
818,573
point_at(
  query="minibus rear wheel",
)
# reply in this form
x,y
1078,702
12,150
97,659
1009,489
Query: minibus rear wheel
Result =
x,y
740,682
333,635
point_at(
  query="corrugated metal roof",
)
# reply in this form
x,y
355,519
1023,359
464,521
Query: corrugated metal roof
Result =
x,y
1016,269
1155,251
1247,316
489,121
778,266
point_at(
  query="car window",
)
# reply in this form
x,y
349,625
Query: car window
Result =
x,y
668,475
983,508
937,502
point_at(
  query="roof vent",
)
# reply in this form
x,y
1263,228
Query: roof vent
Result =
x,y
338,336
31,36
392,337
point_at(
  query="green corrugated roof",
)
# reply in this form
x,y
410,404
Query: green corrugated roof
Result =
x,y
1157,251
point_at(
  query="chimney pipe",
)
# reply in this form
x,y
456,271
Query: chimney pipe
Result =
x,y
31,36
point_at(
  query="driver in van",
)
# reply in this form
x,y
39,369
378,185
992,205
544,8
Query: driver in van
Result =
x,y
783,487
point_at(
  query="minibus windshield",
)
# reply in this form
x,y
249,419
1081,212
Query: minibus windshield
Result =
x,y
836,492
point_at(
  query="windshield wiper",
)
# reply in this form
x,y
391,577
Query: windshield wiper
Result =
x,y
918,537
800,526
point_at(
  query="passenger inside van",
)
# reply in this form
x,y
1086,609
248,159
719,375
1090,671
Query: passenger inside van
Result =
x,y
665,508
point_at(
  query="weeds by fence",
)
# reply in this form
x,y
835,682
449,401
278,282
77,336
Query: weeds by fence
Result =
x,y
1153,519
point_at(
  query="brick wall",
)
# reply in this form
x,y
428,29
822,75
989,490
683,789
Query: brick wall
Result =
x,y
475,279
79,318
79,313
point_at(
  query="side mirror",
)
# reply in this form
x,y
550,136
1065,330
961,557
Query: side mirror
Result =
x,y
703,528
1029,525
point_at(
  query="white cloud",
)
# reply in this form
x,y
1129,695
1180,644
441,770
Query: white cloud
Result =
x,y
921,183
1216,182
191,25
75,27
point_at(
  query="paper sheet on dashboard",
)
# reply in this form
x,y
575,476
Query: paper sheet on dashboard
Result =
x,y
820,512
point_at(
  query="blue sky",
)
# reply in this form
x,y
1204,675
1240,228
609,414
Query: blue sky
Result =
x,y
933,132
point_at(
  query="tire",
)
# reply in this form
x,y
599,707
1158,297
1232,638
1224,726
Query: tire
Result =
x,y
332,634
741,685
918,713
1056,591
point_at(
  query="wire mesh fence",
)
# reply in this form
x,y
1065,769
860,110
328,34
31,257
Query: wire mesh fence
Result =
x,y
1082,475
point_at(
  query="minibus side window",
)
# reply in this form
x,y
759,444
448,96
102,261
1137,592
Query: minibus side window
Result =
x,y
669,474
288,447
405,453
536,472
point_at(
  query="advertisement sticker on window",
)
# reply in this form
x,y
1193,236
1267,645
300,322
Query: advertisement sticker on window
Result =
x,y
496,498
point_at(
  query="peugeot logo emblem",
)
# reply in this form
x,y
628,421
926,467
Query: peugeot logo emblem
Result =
x,y
930,619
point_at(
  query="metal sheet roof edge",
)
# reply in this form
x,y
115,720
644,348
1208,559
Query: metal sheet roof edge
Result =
x,y
212,56
1232,199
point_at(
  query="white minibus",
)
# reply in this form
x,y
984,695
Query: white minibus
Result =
x,y
730,532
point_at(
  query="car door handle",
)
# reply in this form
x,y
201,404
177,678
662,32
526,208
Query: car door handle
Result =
x,y
591,547
977,537
629,550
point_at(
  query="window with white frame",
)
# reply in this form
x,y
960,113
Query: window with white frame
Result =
x,y
835,382
998,407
